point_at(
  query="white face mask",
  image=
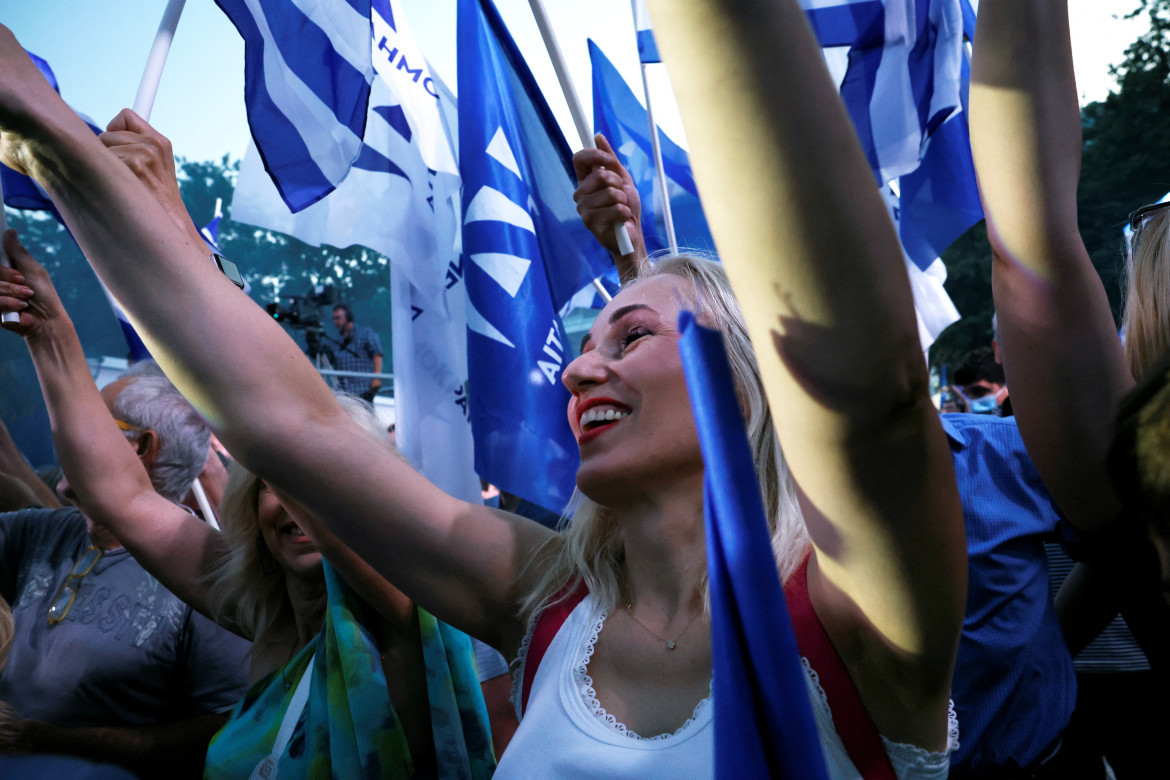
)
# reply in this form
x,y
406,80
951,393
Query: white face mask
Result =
x,y
985,405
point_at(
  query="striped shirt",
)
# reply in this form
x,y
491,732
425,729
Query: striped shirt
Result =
x,y
1114,650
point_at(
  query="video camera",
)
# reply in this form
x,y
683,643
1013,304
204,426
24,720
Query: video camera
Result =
x,y
302,312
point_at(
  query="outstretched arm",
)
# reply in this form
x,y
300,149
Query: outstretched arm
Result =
x,y
260,394
816,265
1061,353
110,483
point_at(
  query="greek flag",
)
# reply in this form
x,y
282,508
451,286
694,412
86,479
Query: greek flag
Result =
x,y
939,200
401,199
526,254
900,63
619,116
307,75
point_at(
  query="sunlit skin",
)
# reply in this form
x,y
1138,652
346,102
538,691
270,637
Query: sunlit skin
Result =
x,y
630,364
289,545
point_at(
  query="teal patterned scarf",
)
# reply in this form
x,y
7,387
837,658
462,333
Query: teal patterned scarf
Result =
x,y
348,727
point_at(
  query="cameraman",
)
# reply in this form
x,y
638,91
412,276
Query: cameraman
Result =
x,y
355,349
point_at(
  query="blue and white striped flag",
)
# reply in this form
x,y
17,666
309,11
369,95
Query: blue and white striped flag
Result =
x,y
526,254
401,199
900,64
307,75
647,48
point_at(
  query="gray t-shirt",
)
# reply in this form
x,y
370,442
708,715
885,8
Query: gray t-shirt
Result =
x,y
129,652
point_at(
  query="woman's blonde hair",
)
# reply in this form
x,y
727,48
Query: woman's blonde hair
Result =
x,y
590,545
1147,300
247,585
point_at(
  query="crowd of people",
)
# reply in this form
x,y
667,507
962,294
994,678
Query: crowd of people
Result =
x,y
324,628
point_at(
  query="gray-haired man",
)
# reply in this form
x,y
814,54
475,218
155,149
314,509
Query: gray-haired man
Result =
x,y
106,663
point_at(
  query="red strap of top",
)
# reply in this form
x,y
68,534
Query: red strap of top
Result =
x,y
853,723
548,623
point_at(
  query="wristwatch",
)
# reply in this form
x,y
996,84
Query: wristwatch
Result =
x,y
228,268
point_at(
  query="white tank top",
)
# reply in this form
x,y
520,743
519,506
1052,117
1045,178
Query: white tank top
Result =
x,y
566,732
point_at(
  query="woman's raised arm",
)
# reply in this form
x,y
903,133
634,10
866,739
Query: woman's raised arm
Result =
x,y
1061,353
813,257
251,382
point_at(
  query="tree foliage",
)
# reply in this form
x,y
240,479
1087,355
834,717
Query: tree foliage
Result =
x,y
272,263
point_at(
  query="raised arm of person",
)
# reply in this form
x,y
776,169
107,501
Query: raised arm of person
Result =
x,y
104,472
1055,325
606,199
260,394
816,265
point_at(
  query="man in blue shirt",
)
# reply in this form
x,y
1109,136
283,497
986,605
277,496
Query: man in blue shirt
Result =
x,y
1014,685
355,349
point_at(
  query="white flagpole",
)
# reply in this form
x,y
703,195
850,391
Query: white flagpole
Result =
x,y
9,316
204,504
625,247
604,293
148,87
659,170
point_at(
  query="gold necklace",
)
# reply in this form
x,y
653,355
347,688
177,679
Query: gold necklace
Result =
x,y
670,643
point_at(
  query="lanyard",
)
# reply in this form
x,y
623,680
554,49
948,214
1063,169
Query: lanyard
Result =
x,y
266,769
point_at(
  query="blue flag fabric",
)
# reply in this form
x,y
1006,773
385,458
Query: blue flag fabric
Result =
x,y
210,233
526,254
902,81
764,723
940,199
619,116
307,75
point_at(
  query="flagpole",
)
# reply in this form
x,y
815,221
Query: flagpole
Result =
x,y
625,247
148,86
659,170
9,316
604,293
204,504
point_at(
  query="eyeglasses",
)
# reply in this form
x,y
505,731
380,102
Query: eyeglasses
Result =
x,y
125,426
1139,215
63,601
